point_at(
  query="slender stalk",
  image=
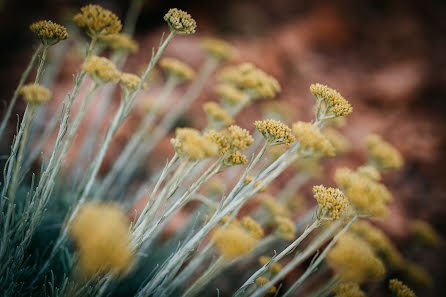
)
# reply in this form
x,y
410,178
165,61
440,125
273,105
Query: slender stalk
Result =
x,y
23,78
41,63
205,278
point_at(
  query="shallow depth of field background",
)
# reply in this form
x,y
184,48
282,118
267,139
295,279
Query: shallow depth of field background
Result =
x,y
386,57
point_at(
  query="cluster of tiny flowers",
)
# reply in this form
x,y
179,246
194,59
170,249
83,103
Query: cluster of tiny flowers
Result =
x,y
180,22
399,289
339,142
275,268
251,79
97,21
177,69
120,42
217,114
100,232
273,206
334,101
189,143
383,154
368,196
220,140
285,227
235,158
49,33
35,94
424,233
131,82
332,201
348,289
370,172
379,242
253,227
310,137
218,48
355,261
240,138
262,280
230,94
234,241
275,132
101,69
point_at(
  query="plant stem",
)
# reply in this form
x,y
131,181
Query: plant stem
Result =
x,y
205,278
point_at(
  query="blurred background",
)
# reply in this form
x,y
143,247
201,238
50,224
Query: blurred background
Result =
x,y
386,57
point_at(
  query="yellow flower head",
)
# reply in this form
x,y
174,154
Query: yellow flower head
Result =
x,y
177,69
120,42
348,289
35,94
334,101
424,233
310,137
370,172
251,79
369,197
217,115
273,206
220,140
239,138
49,33
399,289
230,94
285,227
253,227
276,267
275,132
382,154
379,241
101,70
234,241
235,158
218,48
261,281
131,82
332,202
189,143
97,21
180,22
100,232
339,142
354,260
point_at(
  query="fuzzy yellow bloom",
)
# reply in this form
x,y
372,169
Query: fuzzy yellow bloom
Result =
x,y
239,138
120,42
339,142
348,289
332,202
310,137
235,158
369,197
233,241
276,267
275,132
253,227
369,172
100,232
49,33
131,82
189,143
177,69
399,289
383,154
261,281
97,21
180,22
334,101
425,233
285,227
101,70
220,140
217,114
354,260
218,48
379,241
273,206
35,94
230,94
248,77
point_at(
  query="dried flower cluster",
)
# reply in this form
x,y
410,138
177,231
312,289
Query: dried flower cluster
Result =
x,y
49,33
97,21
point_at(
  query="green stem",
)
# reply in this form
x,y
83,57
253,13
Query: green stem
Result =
x,y
16,92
